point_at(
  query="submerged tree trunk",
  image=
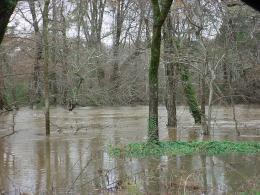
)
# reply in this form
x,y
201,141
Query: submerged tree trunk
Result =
x,y
46,66
170,73
159,15
190,94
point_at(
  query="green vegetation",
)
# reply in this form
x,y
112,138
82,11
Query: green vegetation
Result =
x,y
184,148
190,94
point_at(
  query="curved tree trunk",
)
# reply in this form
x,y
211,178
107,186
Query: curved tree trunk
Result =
x,y
190,94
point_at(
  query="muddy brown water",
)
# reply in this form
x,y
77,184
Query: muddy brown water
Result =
x,y
75,159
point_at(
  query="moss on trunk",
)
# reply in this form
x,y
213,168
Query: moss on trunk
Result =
x,y
190,94
159,16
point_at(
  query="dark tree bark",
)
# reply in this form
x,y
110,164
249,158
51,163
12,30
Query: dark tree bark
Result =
x,y
38,55
65,54
2,84
170,73
119,24
53,56
6,10
46,65
159,16
253,3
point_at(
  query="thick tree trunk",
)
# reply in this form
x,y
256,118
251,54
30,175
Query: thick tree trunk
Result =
x,y
46,66
171,86
159,16
153,131
6,10
170,73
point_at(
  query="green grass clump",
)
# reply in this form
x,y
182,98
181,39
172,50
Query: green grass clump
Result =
x,y
184,148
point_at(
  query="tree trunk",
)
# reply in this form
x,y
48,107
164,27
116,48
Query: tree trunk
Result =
x,y
203,106
54,51
203,96
65,54
6,10
2,85
153,85
190,94
158,20
38,56
170,73
119,23
99,18
46,66
204,125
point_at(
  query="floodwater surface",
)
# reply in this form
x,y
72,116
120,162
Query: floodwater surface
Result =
x,y
75,158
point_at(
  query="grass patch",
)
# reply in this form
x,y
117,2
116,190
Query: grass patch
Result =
x,y
184,148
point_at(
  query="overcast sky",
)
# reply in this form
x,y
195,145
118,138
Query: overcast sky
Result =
x,y
21,21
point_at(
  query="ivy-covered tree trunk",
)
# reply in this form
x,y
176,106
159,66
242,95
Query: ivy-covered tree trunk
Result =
x,y
190,94
159,16
170,73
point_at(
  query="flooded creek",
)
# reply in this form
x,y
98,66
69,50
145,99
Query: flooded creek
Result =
x,y
75,159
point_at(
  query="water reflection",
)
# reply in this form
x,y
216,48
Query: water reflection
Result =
x,y
76,161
